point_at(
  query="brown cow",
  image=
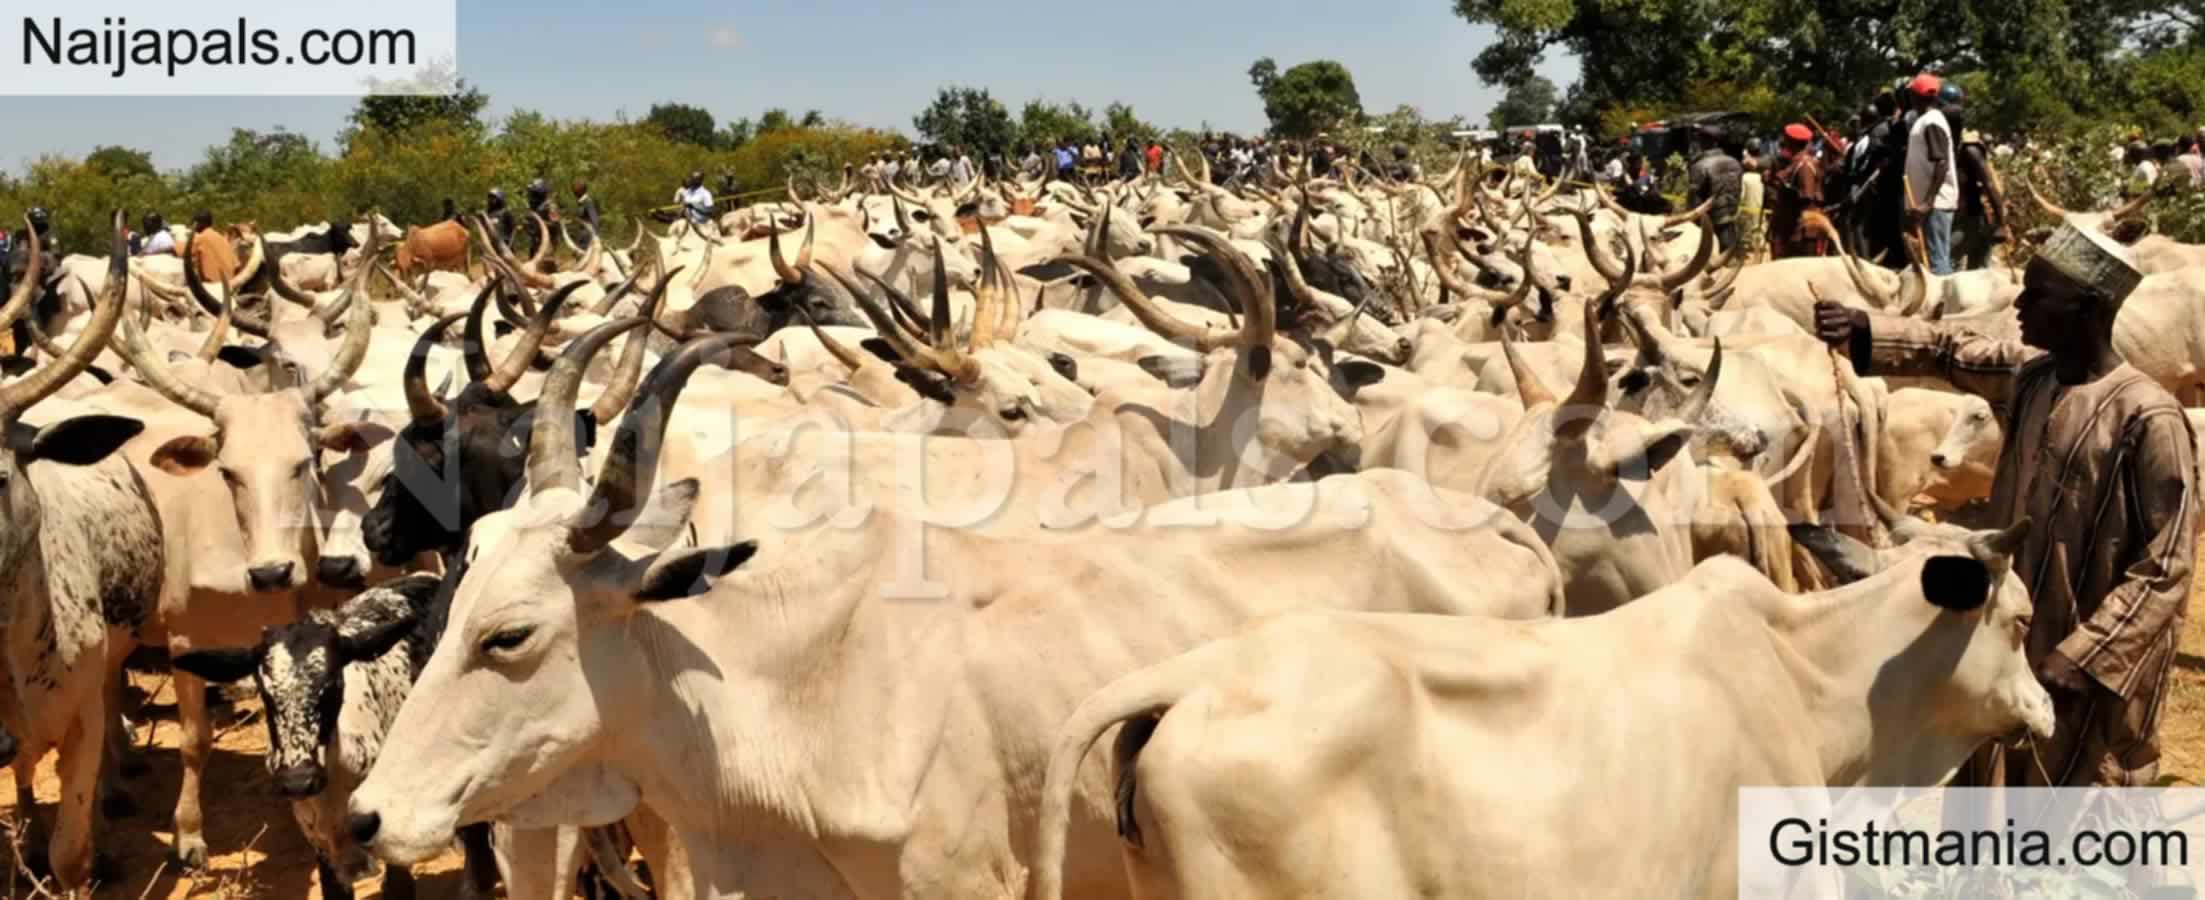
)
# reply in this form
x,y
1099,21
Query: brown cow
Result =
x,y
433,248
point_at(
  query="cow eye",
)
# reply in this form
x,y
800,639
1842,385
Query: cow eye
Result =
x,y
506,639
1014,413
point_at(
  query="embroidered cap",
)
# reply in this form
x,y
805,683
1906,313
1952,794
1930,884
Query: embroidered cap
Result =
x,y
2095,262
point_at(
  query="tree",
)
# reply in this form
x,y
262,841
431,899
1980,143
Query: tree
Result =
x,y
813,119
1528,102
775,119
968,118
1306,99
120,162
1120,121
398,113
684,123
1043,123
737,133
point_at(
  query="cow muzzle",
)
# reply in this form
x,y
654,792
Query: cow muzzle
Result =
x,y
304,780
271,577
341,572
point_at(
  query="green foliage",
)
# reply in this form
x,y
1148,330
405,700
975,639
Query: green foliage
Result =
x,y
1042,123
1121,122
1528,102
684,123
398,113
968,118
120,162
1308,98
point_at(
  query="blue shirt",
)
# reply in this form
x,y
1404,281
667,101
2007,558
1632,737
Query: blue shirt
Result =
x,y
1064,159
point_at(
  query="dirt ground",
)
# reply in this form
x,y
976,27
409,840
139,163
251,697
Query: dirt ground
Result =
x,y
256,849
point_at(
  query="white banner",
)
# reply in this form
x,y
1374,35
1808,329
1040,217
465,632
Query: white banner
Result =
x,y
1970,842
237,48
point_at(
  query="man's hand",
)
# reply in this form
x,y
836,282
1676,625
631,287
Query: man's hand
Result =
x,y
2062,676
1835,323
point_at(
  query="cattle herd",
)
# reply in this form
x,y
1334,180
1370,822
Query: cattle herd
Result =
x,y
1407,539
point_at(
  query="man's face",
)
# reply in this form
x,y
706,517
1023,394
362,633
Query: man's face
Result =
x,y
2053,311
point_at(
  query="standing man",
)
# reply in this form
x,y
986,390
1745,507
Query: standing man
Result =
x,y
539,205
211,253
1982,204
2100,460
1935,198
1795,201
1717,176
2189,161
585,213
158,241
695,201
501,217
1155,158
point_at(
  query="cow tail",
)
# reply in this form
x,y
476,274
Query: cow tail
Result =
x,y
1140,699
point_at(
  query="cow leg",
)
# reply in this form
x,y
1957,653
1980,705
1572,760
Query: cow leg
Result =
x,y
540,863
669,870
197,741
479,874
70,852
115,802
397,884
128,761
30,834
335,886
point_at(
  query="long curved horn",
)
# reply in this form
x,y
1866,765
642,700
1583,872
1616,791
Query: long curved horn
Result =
x,y
884,322
421,402
284,288
1675,281
515,364
2130,209
788,274
1529,389
241,320
212,346
1703,396
986,314
920,322
41,382
842,354
637,240
630,365
1254,292
1158,320
632,461
552,451
543,240
1677,219
159,378
474,346
593,257
26,288
1591,394
2050,208
254,259
357,327
611,299
1602,261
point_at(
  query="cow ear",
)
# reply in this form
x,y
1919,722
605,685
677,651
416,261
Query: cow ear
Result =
x,y
83,440
1848,559
362,638
353,437
1362,373
881,348
665,522
100,375
1176,372
219,666
240,357
1956,583
1662,443
185,456
685,573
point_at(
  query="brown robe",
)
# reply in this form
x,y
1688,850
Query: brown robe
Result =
x,y
2104,470
213,256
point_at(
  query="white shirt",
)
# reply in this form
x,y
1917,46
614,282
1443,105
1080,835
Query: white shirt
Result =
x,y
2148,170
1947,194
1615,169
160,242
693,200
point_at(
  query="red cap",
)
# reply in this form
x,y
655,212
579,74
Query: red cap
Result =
x,y
1925,85
1798,132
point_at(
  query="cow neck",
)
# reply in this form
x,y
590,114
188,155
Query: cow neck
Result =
x,y
827,684
1849,650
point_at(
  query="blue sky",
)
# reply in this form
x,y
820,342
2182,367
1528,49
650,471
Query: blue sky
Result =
x,y
1179,62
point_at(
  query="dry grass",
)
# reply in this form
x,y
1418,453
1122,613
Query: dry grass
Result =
x,y
257,851
2182,722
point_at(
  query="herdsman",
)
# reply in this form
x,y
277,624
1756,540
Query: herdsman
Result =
x,y
2101,459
